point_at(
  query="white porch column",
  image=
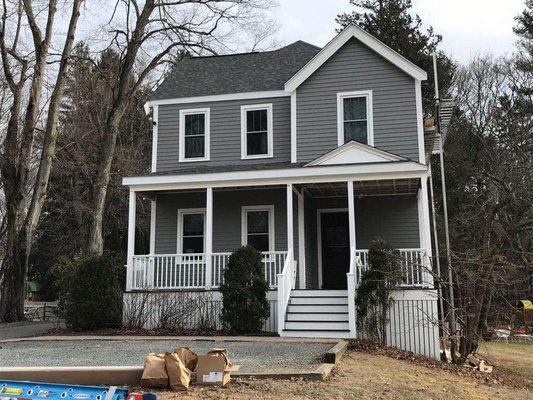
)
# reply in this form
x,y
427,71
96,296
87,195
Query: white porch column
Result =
x,y
424,227
152,226
290,228
301,239
131,239
209,237
351,214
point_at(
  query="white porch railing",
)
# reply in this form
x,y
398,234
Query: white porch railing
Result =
x,y
286,282
415,267
188,271
355,264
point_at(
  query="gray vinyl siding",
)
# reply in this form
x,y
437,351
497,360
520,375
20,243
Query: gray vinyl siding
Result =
x,y
353,68
393,218
225,133
226,216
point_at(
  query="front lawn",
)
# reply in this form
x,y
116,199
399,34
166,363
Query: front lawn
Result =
x,y
366,376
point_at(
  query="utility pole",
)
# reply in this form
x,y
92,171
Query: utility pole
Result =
x,y
451,296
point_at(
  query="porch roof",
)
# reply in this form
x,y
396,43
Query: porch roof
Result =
x,y
272,174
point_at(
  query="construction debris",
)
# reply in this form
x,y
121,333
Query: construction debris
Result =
x,y
182,366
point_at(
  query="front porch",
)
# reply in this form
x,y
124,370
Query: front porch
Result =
x,y
313,224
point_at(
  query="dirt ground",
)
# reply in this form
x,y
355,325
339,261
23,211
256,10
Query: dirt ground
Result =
x,y
365,376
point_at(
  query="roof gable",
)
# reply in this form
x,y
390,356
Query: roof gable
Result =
x,y
355,153
354,31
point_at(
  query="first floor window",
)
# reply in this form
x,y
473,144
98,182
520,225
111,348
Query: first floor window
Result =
x,y
191,231
194,135
258,227
256,130
355,117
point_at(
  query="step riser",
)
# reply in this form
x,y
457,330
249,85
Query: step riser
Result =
x,y
317,325
317,335
318,300
317,317
318,293
318,308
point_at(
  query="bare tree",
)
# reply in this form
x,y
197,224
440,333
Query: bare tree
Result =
x,y
489,173
148,35
24,69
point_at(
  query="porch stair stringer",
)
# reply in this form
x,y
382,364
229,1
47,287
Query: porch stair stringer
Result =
x,y
317,314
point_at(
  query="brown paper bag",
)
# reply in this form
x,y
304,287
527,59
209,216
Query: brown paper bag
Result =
x,y
188,357
179,376
154,372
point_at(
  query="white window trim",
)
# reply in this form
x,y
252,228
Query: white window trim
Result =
x,y
181,150
271,224
270,131
181,213
369,115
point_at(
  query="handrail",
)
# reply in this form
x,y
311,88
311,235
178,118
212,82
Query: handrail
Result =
x,y
285,285
351,282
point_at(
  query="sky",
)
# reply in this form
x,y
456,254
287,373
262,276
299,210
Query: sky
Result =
x,y
468,27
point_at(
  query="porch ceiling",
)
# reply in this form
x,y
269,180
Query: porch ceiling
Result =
x,y
364,188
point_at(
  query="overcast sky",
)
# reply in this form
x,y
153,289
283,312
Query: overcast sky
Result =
x,y
467,26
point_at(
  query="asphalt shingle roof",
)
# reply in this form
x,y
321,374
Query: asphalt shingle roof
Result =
x,y
238,73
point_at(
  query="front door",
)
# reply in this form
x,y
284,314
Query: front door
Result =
x,y
335,244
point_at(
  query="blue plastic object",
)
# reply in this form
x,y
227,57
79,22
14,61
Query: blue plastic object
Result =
x,y
16,390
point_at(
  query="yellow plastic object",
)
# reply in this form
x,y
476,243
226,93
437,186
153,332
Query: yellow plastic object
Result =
x,y
528,305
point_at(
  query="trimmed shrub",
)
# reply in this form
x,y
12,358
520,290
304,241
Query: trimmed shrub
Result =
x,y
91,291
244,304
374,294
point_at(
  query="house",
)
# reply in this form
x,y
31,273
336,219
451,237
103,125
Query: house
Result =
x,y
309,155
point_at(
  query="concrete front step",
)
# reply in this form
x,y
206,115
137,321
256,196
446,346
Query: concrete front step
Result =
x,y
318,334
317,325
318,300
318,293
316,316
292,308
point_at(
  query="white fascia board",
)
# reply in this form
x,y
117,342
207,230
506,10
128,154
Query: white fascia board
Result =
x,y
330,173
354,31
219,97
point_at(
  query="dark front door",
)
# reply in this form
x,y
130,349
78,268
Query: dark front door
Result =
x,y
335,249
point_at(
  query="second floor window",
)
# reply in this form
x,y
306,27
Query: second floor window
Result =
x,y
354,113
256,131
194,135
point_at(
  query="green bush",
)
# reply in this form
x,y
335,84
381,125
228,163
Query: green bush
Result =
x,y
244,303
374,294
91,291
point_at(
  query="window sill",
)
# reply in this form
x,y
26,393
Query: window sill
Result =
x,y
257,157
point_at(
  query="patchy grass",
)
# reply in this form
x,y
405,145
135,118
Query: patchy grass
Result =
x,y
362,375
515,360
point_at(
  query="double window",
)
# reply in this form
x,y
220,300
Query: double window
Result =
x,y
354,113
194,135
256,131
191,231
258,227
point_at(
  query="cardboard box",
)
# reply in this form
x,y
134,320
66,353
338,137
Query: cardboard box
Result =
x,y
214,368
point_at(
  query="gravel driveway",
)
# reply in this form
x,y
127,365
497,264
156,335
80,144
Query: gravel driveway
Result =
x,y
254,357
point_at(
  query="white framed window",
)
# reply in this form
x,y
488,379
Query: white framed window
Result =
x,y
257,139
194,135
191,231
258,227
354,117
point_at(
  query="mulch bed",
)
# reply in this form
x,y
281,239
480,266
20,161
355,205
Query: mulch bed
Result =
x,y
142,332
497,377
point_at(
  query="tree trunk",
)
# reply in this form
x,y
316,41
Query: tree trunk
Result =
x,y
95,242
